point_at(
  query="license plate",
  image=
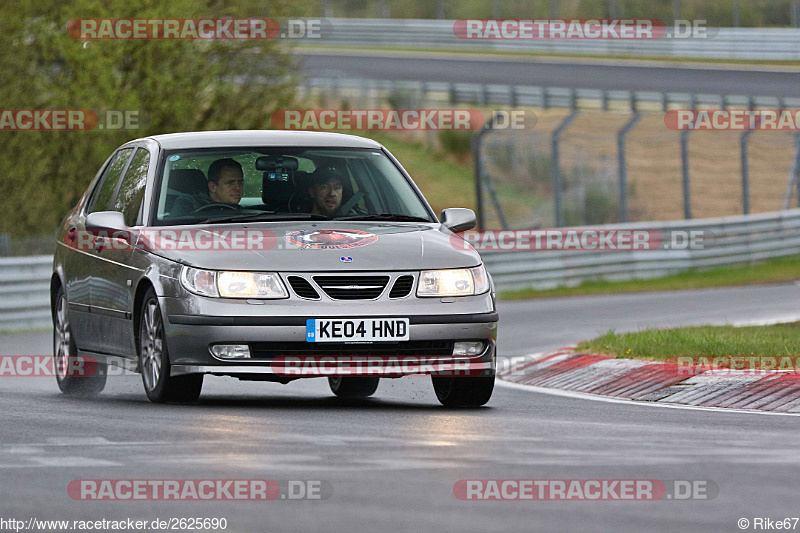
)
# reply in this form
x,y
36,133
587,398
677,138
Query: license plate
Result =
x,y
356,329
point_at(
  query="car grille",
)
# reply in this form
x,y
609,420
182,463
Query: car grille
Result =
x,y
352,287
270,350
402,286
303,288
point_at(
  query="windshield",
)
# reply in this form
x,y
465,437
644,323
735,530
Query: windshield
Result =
x,y
208,186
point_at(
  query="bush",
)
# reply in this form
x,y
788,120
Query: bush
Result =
x,y
457,143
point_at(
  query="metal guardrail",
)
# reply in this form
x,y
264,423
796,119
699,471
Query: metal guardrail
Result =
x,y
24,281
724,43
538,96
726,241
25,292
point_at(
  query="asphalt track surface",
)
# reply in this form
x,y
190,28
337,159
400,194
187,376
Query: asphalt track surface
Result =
x,y
579,74
392,461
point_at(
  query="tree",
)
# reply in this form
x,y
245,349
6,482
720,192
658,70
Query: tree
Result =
x,y
174,85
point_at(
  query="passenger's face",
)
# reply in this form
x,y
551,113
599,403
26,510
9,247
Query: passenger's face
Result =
x,y
327,197
230,187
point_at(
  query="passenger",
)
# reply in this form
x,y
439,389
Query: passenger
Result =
x,y
326,191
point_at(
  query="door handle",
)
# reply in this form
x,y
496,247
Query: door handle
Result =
x,y
71,234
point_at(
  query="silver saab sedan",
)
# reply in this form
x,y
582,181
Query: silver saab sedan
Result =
x,y
273,256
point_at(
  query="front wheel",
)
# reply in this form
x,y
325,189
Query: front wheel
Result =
x,y
74,375
154,363
353,387
463,391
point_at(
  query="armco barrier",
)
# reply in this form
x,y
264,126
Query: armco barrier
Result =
x,y
441,94
726,241
25,292
724,43
24,281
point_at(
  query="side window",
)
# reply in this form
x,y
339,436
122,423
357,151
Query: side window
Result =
x,y
131,190
104,193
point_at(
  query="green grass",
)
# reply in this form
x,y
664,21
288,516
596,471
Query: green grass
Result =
x,y
771,271
755,346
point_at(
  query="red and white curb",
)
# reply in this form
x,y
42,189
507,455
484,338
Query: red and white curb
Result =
x,y
566,370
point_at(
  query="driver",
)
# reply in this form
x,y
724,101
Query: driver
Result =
x,y
326,191
225,186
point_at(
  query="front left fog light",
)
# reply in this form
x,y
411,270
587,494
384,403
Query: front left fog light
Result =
x,y
231,351
468,348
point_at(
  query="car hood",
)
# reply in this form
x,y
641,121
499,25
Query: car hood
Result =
x,y
313,246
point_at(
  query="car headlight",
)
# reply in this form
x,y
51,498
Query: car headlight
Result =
x,y
453,282
202,282
227,284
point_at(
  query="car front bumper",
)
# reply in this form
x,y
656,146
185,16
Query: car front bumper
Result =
x,y
190,334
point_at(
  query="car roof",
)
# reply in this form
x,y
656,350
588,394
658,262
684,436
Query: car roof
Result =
x,y
258,138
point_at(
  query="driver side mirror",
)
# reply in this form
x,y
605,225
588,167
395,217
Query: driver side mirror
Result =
x,y
106,220
458,219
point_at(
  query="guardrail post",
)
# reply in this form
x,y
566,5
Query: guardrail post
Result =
x,y
622,166
687,200
787,200
687,193
555,167
797,164
479,173
745,173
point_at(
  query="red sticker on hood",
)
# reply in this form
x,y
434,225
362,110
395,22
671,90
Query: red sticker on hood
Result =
x,y
331,239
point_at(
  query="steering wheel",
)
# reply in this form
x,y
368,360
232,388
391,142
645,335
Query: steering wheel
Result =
x,y
349,204
216,205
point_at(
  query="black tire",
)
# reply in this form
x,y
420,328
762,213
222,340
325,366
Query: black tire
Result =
x,y
346,387
90,380
463,391
154,363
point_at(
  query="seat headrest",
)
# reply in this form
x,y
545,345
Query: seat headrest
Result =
x,y
188,180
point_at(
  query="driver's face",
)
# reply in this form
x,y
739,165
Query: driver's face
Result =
x,y
327,197
230,187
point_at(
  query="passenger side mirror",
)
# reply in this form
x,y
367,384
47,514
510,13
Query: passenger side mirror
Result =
x,y
458,219
106,220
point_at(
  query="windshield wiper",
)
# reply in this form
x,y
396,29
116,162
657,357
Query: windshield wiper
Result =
x,y
386,216
264,217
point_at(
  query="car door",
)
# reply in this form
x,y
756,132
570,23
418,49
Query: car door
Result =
x,y
113,275
91,336
76,268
